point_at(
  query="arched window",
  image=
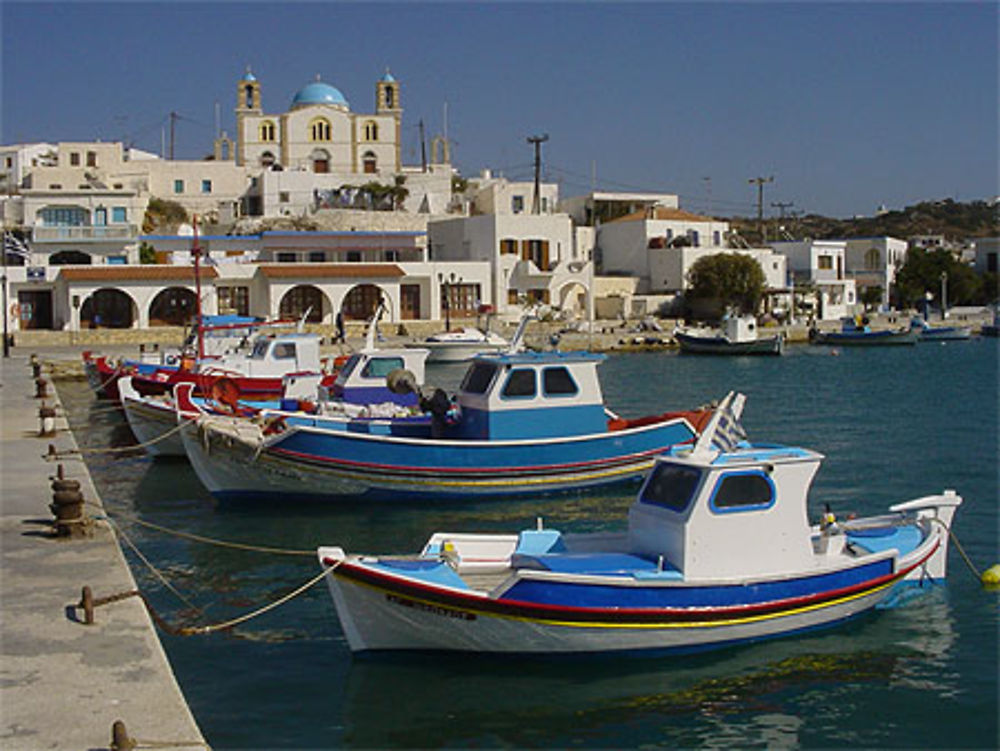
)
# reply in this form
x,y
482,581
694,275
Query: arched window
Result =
x,y
319,129
370,162
248,91
107,308
371,131
390,97
361,302
872,258
299,301
267,131
174,306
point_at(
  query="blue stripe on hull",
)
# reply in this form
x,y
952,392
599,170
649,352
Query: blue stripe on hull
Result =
x,y
589,595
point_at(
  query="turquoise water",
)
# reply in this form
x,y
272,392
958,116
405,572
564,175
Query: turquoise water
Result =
x,y
894,423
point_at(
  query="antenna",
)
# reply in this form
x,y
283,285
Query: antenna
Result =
x,y
537,141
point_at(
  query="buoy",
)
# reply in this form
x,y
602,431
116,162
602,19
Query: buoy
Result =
x,y
991,577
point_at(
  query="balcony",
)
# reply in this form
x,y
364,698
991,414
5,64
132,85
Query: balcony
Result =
x,y
83,234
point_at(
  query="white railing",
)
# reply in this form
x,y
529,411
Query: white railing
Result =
x,y
95,234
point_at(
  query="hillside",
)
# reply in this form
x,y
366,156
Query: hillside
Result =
x,y
956,221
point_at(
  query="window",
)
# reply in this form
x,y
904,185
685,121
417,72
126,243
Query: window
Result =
x,y
695,238
74,159
288,257
390,97
317,256
380,367
234,300
283,196
508,247
64,217
716,238
284,351
119,215
116,260
742,491
479,378
266,131
206,186
825,262
91,159
354,256
178,186
558,382
520,384
671,486
517,204
371,131
319,130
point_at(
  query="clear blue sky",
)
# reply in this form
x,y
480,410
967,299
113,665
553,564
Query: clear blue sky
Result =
x,y
847,105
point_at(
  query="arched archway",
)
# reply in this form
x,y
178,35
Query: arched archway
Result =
x,y
320,159
573,298
361,302
108,309
174,306
70,258
370,163
302,299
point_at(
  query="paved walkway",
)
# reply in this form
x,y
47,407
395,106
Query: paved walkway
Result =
x,y
62,683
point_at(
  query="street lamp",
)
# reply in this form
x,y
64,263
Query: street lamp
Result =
x,y
944,295
446,284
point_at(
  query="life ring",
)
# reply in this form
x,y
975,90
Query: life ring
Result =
x,y
15,310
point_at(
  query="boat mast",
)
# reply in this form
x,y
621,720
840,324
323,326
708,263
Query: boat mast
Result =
x,y
196,252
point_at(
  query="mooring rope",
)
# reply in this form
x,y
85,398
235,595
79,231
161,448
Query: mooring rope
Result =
x,y
958,546
120,449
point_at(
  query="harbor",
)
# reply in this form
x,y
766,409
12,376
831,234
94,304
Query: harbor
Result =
x,y
288,675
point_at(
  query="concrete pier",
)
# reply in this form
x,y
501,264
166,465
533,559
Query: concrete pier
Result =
x,y
64,684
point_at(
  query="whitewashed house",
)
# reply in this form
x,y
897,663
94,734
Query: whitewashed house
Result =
x,y
820,266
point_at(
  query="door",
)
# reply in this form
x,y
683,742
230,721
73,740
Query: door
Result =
x,y
35,309
409,301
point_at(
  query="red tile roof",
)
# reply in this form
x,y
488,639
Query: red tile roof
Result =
x,y
144,273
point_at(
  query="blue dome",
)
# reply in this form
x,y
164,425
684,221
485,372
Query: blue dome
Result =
x,y
319,93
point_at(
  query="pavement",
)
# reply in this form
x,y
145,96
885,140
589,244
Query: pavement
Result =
x,y
63,684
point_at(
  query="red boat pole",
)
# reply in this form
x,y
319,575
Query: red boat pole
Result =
x,y
196,251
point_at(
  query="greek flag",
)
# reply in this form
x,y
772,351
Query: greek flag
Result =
x,y
724,431
15,246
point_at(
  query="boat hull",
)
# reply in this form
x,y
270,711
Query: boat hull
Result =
x,y
233,461
700,345
151,423
376,615
865,339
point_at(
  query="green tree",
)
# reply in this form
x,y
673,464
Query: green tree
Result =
x,y
147,253
731,279
921,274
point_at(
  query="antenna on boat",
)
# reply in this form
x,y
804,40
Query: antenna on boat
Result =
x,y
372,333
517,342
301,325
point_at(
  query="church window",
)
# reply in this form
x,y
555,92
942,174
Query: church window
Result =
x,y
390,97
267,131
371,131
319,130
248,90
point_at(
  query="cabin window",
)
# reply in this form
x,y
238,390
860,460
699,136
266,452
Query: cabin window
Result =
x,y
558,382
479,378
520,384
284,351
380,367
742,491
260,349
671,486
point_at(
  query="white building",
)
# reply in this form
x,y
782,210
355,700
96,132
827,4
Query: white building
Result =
x,y
873,263
987,251
820,265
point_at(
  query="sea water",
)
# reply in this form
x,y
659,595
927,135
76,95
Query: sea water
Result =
x,y
894,423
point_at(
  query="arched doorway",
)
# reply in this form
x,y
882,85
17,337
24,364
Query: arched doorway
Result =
x,y
174,306
69,258
361,302
573,299
303,300
320,159
108,309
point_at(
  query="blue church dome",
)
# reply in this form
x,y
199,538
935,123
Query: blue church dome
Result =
x,y
318,92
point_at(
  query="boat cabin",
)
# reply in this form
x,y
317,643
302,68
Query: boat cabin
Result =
x,y
716,514
275,355
364,378
523,395
740,328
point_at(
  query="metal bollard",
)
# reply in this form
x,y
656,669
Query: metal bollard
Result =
x,y
41,388
67,506
120,740
36,366
46,421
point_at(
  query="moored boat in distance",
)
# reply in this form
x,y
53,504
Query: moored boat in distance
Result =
x,y
718,550
858,332
928,332
739,335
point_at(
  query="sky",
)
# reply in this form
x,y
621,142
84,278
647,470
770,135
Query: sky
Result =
x,y
848,106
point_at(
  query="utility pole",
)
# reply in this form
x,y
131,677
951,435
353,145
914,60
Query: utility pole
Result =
x,y
423,148
537,141
759,182
781,207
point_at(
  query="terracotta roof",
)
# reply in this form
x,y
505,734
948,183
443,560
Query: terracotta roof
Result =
x,y
664,213
144,273
330,270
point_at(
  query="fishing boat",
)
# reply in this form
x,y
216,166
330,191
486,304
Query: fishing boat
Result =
x,y
992,330
368,377
738,336
522,423
927,332
719,550
858,332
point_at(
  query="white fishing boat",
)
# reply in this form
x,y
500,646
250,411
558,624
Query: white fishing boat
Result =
x,y
461,345
739,335
719,550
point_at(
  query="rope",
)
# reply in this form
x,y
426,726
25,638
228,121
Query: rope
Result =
x,y
120,449
101,384
958,546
